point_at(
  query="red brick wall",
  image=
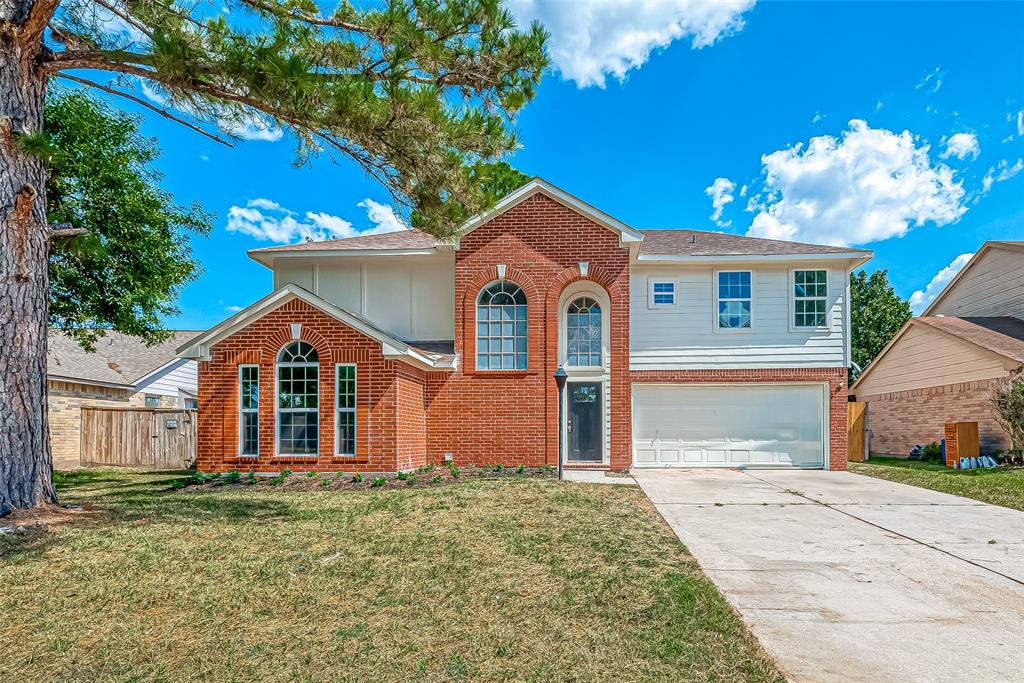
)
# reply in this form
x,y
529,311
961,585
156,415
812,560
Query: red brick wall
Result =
x,y
389,398
899,421
512,417
836,378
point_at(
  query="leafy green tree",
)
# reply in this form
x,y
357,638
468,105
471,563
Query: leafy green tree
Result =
x,y
493,179
127,268
876,315
412,91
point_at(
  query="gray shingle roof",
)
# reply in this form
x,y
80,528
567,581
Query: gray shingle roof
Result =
x,y
400,239
118,358
701,243
1002,335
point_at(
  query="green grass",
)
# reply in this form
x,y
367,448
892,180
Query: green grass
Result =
x,y
999,486
525,580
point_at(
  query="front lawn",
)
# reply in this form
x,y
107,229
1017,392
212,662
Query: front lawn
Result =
x,y
511,579
999,486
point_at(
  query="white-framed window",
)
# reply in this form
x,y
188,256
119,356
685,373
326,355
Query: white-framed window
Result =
x,y
248,410
810,298
298,400
583,333
152,401
661,293
734,292
501,327
345,409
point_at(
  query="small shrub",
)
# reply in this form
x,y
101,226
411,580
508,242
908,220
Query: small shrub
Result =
x,y
402,476
251,477
521,469
549,468
499,468
310,475
436,479
378,482
932,452
179,483
411,480
233,477
356,478
325,482
454,471
200,478
285,473
425,469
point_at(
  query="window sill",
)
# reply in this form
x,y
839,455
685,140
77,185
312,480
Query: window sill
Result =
x,y
501,373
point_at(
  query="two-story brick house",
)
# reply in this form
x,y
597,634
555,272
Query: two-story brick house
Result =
x,y
386,352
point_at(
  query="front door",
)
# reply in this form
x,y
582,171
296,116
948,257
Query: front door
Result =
x,y
584,425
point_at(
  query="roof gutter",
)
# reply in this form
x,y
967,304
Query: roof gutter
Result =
x,y
857,257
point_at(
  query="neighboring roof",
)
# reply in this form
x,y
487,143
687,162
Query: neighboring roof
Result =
x,y
541,186
118,359
428,357
991,244
1003,336
699,244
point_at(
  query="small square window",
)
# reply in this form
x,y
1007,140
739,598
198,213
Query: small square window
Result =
x,y
663,293
152,401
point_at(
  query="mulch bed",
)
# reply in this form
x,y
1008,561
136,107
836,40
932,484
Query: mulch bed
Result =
x,y
424,477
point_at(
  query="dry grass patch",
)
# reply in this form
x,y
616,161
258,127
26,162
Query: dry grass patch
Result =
x,y
482,580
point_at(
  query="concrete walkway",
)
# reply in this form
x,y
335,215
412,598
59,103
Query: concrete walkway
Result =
x,y
846,577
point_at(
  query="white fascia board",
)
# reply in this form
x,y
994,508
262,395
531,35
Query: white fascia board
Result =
x,y
539,185
267,258
90,382
856,258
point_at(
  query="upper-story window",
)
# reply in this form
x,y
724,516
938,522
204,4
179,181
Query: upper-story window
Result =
x,y
501,327
661,293
298,400
583,333
810,298
734,299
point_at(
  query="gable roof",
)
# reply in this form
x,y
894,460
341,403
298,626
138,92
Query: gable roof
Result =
x,y
119,359
541,186
985,248
428,358
1003,336
700,244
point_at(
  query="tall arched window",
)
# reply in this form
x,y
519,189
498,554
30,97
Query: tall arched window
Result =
x,y
583,333
298,400
501,327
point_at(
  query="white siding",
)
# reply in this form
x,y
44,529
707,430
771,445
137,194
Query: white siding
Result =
x,y
994,286
924,357
180,374
410,297
684,336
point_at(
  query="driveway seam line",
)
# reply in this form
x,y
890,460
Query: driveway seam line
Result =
x,y
891,531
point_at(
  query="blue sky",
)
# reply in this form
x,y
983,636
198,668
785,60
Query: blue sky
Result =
x,y
643,111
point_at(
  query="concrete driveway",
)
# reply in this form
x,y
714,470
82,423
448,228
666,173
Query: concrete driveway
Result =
x,y
845,577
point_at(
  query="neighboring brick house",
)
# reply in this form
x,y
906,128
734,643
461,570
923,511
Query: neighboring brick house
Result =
x,y
385,352
120,372
940,367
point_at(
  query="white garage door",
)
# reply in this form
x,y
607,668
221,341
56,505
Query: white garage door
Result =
x,y
728,426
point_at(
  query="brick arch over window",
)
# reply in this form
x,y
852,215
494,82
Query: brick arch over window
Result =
x,y
534,311
282,337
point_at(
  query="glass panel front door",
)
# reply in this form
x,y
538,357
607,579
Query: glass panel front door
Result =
x,y
584,425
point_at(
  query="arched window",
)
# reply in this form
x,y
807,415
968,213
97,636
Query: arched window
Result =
x,y
298,400
583,333
501,327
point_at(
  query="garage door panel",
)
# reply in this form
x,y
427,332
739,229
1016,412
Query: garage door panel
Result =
x,y
729,425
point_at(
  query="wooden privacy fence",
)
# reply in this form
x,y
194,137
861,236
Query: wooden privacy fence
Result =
x,y
139,437
856,416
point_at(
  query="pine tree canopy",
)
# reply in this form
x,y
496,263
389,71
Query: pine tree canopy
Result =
x,y
414,91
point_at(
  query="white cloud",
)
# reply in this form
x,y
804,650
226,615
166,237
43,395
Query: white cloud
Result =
x,y
920,299
879,105
934,78
1020,122
870,184
959,145
1000,172
252,127
720,192
599,38
817,117
233,309
266,220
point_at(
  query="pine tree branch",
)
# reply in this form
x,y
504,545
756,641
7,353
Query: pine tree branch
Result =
x,y
147,105
305,18
31,31
124,15
59,230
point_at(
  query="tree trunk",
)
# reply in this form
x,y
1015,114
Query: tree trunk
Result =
x,y
26,469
